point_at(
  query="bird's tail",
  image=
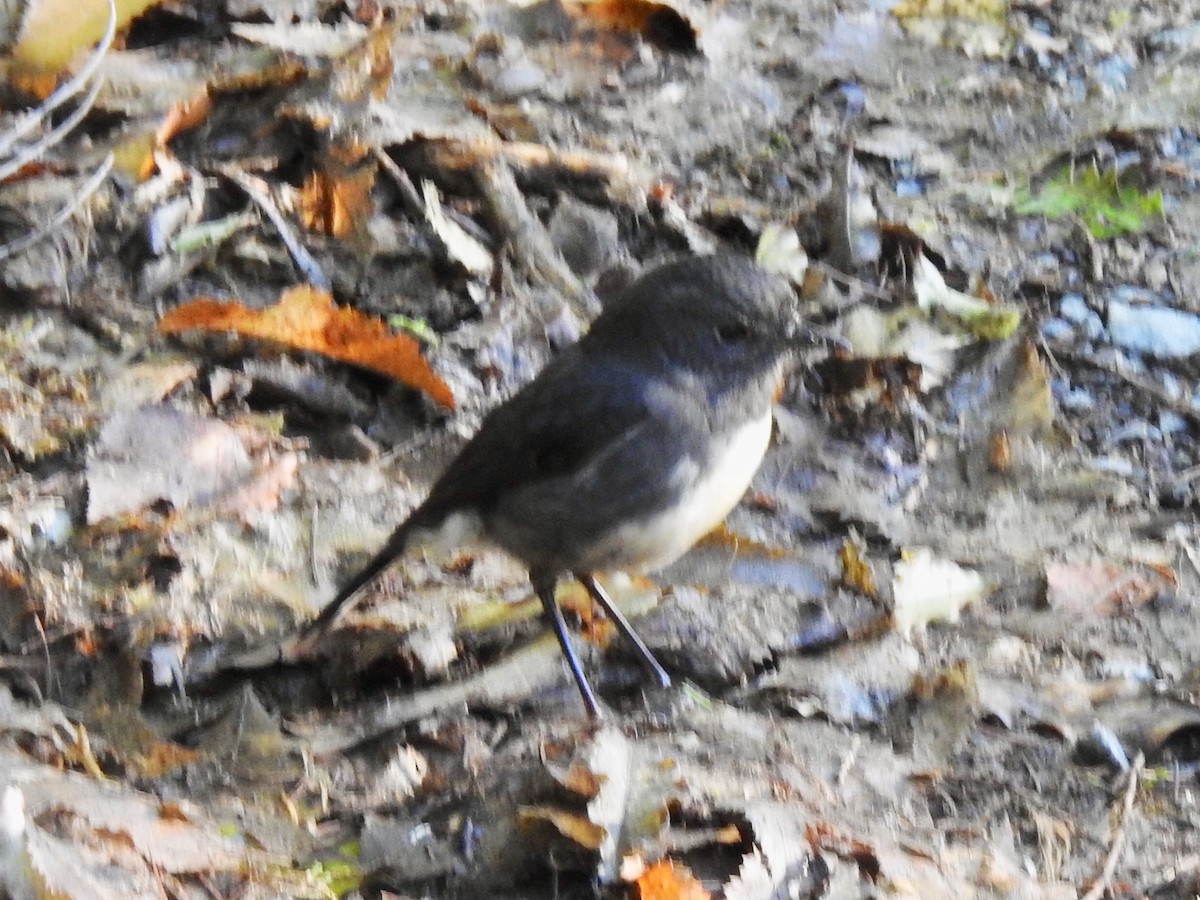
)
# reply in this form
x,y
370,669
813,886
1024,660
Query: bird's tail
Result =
x,y
390,552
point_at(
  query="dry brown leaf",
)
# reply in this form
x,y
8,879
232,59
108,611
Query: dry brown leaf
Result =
x,y
828,837
999,451
570,825
130,743
162,757
335,198
657,23
184,116
573,598
856,569
579,779
134,155
853,384
367,70
307,319
722,538
666,880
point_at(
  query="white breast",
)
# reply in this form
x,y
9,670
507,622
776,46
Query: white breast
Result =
x,y
706,497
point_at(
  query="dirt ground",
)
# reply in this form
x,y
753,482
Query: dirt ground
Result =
x,y
946,647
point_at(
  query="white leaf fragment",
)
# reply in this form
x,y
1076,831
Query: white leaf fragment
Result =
x,y
927,589
779,250
468,252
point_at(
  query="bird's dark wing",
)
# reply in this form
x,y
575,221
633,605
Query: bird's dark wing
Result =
x,y
572,413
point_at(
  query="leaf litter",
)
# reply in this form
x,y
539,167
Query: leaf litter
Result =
x,y
1039,446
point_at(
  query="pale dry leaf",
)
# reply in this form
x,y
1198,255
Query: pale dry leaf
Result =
x,y
17,879
985,320
466,250
304,38
927,589
1100,589
176,844
753,880
610,759
158,453
779,250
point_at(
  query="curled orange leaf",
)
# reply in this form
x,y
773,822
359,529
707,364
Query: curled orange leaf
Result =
x,y
307,319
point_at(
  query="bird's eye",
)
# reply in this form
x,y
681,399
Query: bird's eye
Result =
x,y
733,332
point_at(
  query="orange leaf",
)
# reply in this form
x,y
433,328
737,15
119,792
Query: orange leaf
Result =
x,y
11,578
367,69
307,319
184,116
856,569
135,151
666,881
39,85
274,72
657,23
336,198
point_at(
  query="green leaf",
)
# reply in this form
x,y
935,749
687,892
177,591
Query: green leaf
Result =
x,y
418,328
1097,198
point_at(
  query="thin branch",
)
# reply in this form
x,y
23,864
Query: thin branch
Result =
x,y
528,239
88,188
52,138
258,191
1100,885
27,122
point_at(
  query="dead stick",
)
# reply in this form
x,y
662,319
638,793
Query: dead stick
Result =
x,y
260,193
528,238
1183,408
533,158
1100,885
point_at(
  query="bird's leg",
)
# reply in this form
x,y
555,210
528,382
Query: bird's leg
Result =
x,y
544,587
610,609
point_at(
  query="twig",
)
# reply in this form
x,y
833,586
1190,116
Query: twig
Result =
x,y
865,288
52,138
258,191
535,161
413,205
580,162
528,238
848,761
1182,408
700,240
46,687
20,245
14,155
1100,885
34,118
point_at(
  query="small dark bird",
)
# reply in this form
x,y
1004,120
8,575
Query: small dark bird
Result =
x,y
627,448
